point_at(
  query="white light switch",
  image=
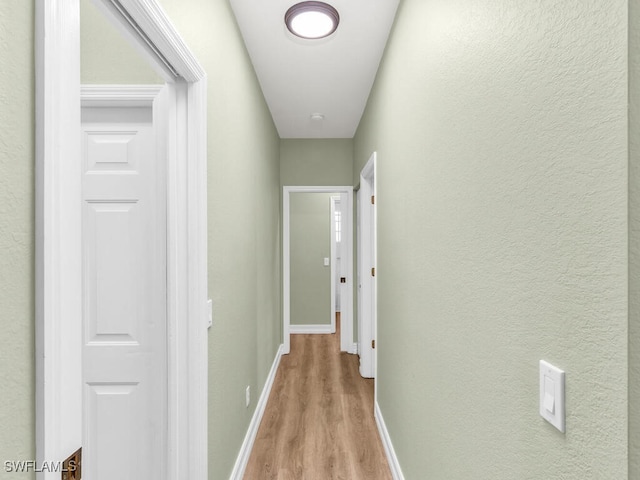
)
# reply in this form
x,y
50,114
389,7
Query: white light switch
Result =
x,y
210,308
326,261
552,395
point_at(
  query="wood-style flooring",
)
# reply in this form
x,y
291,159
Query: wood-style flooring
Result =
x,y
318,424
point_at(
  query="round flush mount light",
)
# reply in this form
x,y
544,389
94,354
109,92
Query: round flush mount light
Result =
x,y
312,20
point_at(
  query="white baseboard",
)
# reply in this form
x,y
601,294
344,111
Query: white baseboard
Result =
x,y
354,349
394,465
307,329
247,444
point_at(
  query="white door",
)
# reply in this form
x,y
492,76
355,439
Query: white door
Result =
x,y
367,288
124,296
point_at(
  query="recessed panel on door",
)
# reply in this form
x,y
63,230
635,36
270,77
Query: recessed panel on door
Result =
x,y
113,279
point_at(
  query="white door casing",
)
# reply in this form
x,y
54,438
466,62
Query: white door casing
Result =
x,y
339,266
59,427
347,271
359,267
367,313
335,265
346,331
124,288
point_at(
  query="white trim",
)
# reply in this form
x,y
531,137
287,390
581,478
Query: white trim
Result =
x,y
334,262
394,464
367,259
58,237
148,29
353,349
196,318
250,437
358,222
152,20
119,95
311,329
346,322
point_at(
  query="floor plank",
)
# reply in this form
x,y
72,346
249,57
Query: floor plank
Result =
x,y
318,424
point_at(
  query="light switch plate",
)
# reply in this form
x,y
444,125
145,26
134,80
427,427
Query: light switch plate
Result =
x,y
552,395
210,308
326,261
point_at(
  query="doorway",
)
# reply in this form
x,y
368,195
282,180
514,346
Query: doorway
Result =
x,y
290,207
59,223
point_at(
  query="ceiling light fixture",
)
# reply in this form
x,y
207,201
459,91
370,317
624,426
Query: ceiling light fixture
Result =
x,y
312,20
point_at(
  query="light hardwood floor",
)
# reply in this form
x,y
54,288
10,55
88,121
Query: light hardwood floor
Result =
x,y
318,424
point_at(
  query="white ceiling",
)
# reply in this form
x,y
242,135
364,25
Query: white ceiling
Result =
x,y
331,76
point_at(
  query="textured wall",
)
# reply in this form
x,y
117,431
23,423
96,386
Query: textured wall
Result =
x,y
501,129
634,239
316,162
310,234
244,229
17,340
106,57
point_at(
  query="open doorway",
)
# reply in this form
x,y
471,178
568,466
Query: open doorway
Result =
x,y
309,233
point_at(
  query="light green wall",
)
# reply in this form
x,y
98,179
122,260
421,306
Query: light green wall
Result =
x,y
244,229
106,57
501,132
310,237
312,162
634,239
17,204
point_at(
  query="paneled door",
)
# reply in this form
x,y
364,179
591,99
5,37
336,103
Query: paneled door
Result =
x,y
124,295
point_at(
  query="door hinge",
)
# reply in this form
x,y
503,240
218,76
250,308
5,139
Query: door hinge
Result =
x,y
373,199
373,344
373,271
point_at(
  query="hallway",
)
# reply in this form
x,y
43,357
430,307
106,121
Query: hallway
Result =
x,y
319,421
507,138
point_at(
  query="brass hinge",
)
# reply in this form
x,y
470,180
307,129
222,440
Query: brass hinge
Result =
x,y
373,344
373,271
373,199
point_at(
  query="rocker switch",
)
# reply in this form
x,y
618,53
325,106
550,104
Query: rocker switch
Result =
x,y
552,395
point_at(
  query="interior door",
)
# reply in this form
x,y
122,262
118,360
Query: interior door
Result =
x,y
367,292
124,296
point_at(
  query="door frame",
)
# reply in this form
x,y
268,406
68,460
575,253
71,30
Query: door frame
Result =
x,y
154,97
59,237
367,259
346,317
334,262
